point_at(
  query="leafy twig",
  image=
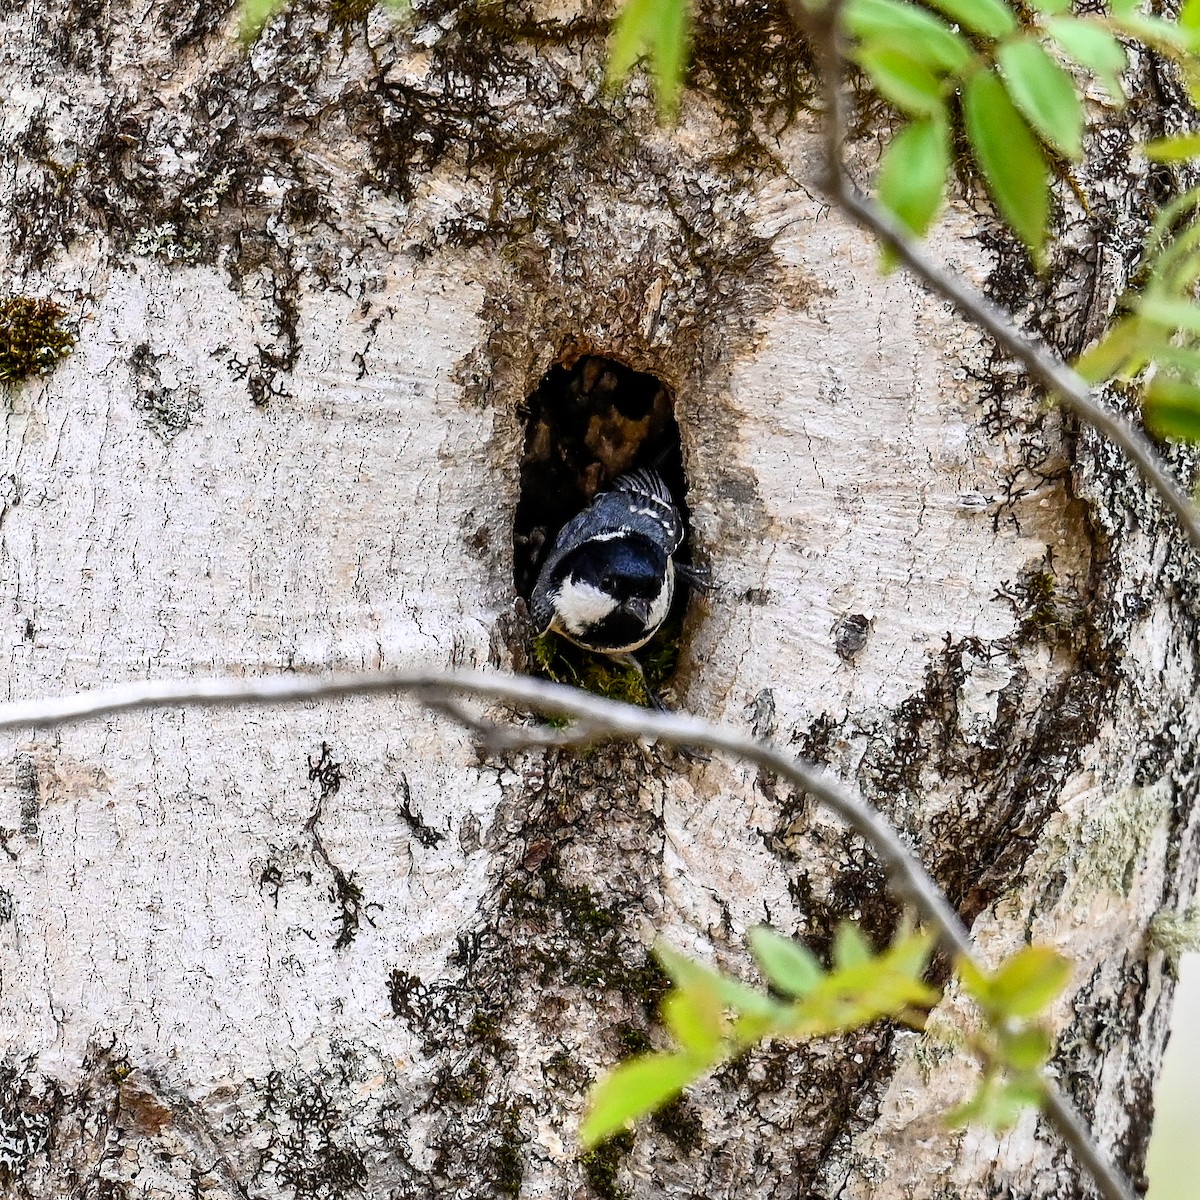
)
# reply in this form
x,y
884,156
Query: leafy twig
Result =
x,y
1046,368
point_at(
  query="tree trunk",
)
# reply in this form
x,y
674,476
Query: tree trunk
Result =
x,y
330,950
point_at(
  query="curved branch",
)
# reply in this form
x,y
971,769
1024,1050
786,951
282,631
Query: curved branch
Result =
x,y
602,719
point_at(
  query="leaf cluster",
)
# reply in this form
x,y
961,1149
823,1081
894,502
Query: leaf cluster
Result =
x,y
1012,1047
1007,81
1158,335
1003,75
712,1017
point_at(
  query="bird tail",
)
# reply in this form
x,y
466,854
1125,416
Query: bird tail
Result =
x,y
646,482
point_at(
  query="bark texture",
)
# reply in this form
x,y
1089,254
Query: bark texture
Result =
x,y
329,951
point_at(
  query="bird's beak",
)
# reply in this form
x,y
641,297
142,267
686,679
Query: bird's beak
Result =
x,y
638,607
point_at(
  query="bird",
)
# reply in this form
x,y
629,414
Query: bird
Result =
x,y
610,577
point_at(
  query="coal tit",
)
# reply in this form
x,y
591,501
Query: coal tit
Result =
x,y
609,579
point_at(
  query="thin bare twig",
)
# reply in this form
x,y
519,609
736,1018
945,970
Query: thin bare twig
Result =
x,y
1044,366
496,738
602,719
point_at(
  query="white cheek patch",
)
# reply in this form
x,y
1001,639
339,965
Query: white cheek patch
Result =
x,y
580,606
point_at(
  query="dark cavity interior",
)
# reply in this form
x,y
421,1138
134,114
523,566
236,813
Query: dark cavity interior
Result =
x,y
590,420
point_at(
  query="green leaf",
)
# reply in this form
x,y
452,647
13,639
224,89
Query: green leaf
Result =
x,y
910,954
1029,981
1027,1049
1183,359
690,976
910,30
850,948
975,983
1175,213
788,965
670,54
1175,268
970,1110
659,29
1178,271
857,996
1052,8
1171,315
912,175
1010,158
1026,1089
254,16
695,1021
1173,149
635,1088
998,1103
990,18
1044,93
1189,14
1172,408
909,84
1094,48
1157,33
1125,343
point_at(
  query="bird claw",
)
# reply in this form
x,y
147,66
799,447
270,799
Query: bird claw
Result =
x,y
699,579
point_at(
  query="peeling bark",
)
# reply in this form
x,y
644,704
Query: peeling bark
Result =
x,y
330,951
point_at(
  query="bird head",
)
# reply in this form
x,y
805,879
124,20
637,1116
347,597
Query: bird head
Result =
x,y
615,592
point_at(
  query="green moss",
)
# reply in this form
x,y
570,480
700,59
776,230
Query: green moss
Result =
x,y
312,1147
937,1044
1047,610
33,339
349,12
632,1040
1042,611
1108,844
507,1167
484,1026
753,60
679,1124
564,662
600,1167
458,1083
567,1073
586,949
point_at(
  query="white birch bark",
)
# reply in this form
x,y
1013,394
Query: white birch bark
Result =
x,y
313,289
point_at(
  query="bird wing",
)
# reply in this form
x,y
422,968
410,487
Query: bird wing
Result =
x,y
649,497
